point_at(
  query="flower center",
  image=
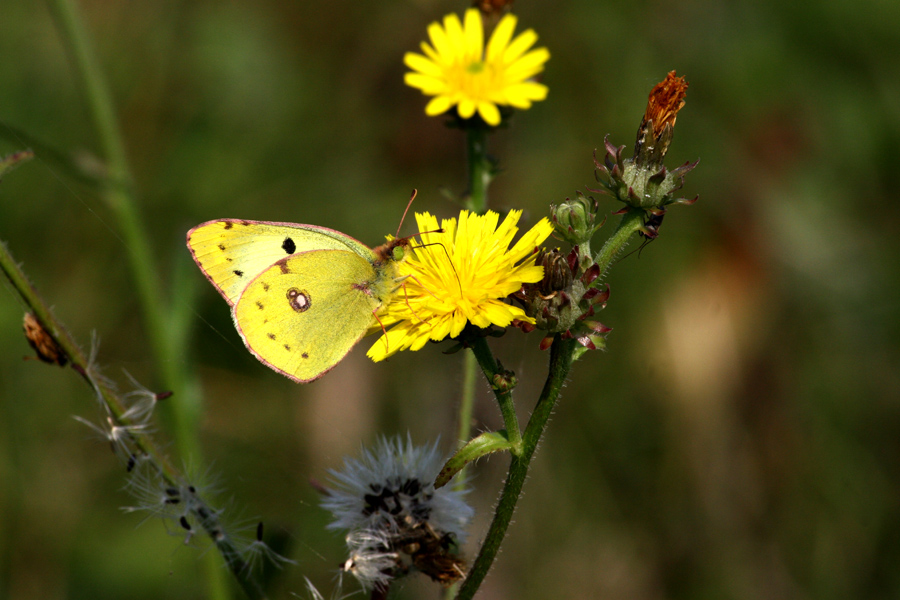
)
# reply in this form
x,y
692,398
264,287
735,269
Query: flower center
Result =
x,y
474,68
473,78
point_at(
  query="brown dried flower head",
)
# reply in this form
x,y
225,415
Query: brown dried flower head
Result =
x,y
666,99
658,125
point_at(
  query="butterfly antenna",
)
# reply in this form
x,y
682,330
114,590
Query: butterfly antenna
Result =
x,y
403,218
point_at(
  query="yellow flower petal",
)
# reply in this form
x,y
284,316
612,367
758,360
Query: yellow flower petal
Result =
x,y
438,105
529,65
466,108
500,38
428,85
519,46
489,112
474,34
440,42
525,93
432,54
423,65
455,35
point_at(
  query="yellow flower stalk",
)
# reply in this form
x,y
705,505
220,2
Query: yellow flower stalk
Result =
x,y
458,71
459,276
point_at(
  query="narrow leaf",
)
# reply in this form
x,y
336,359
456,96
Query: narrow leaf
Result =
x,y
486,443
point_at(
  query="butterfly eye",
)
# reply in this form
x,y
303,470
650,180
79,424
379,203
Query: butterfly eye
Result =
x,y
298,299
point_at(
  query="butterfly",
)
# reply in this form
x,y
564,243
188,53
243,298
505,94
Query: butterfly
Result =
x,y
301,295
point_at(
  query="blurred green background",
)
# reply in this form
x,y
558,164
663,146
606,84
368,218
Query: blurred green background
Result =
x,y
740,438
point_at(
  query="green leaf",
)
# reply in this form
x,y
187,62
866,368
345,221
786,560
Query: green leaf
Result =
x,y
486,443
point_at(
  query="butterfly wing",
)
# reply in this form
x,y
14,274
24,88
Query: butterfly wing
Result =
x,y
232,253
302,315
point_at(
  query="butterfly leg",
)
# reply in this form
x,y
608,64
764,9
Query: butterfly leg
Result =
x,y
406,300
387,347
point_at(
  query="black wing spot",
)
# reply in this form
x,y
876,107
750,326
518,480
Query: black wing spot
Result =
x,y
228,259
271,336
299,299
222,247
265,285
228,224
259,304
289,246
287,347
238,273
305,355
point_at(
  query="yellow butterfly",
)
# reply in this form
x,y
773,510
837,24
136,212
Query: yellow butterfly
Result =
x,y
302,296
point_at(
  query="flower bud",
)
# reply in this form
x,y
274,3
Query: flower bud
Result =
x,y
574,219
557,274
504,381
643,181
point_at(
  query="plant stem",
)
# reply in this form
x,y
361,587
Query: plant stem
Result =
x,y
630,224
480,170
465,406
490,368
560,362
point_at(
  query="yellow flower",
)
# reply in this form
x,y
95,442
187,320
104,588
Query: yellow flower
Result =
x,y
458,276
458,72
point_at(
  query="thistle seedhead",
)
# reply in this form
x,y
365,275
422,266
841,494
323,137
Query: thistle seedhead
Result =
x,y
396,520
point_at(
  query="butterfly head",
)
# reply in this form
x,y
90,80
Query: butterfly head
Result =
x,y
395,249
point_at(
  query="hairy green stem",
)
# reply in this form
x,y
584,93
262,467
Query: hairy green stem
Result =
x,y
630,224
490,368
479,166
560,362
